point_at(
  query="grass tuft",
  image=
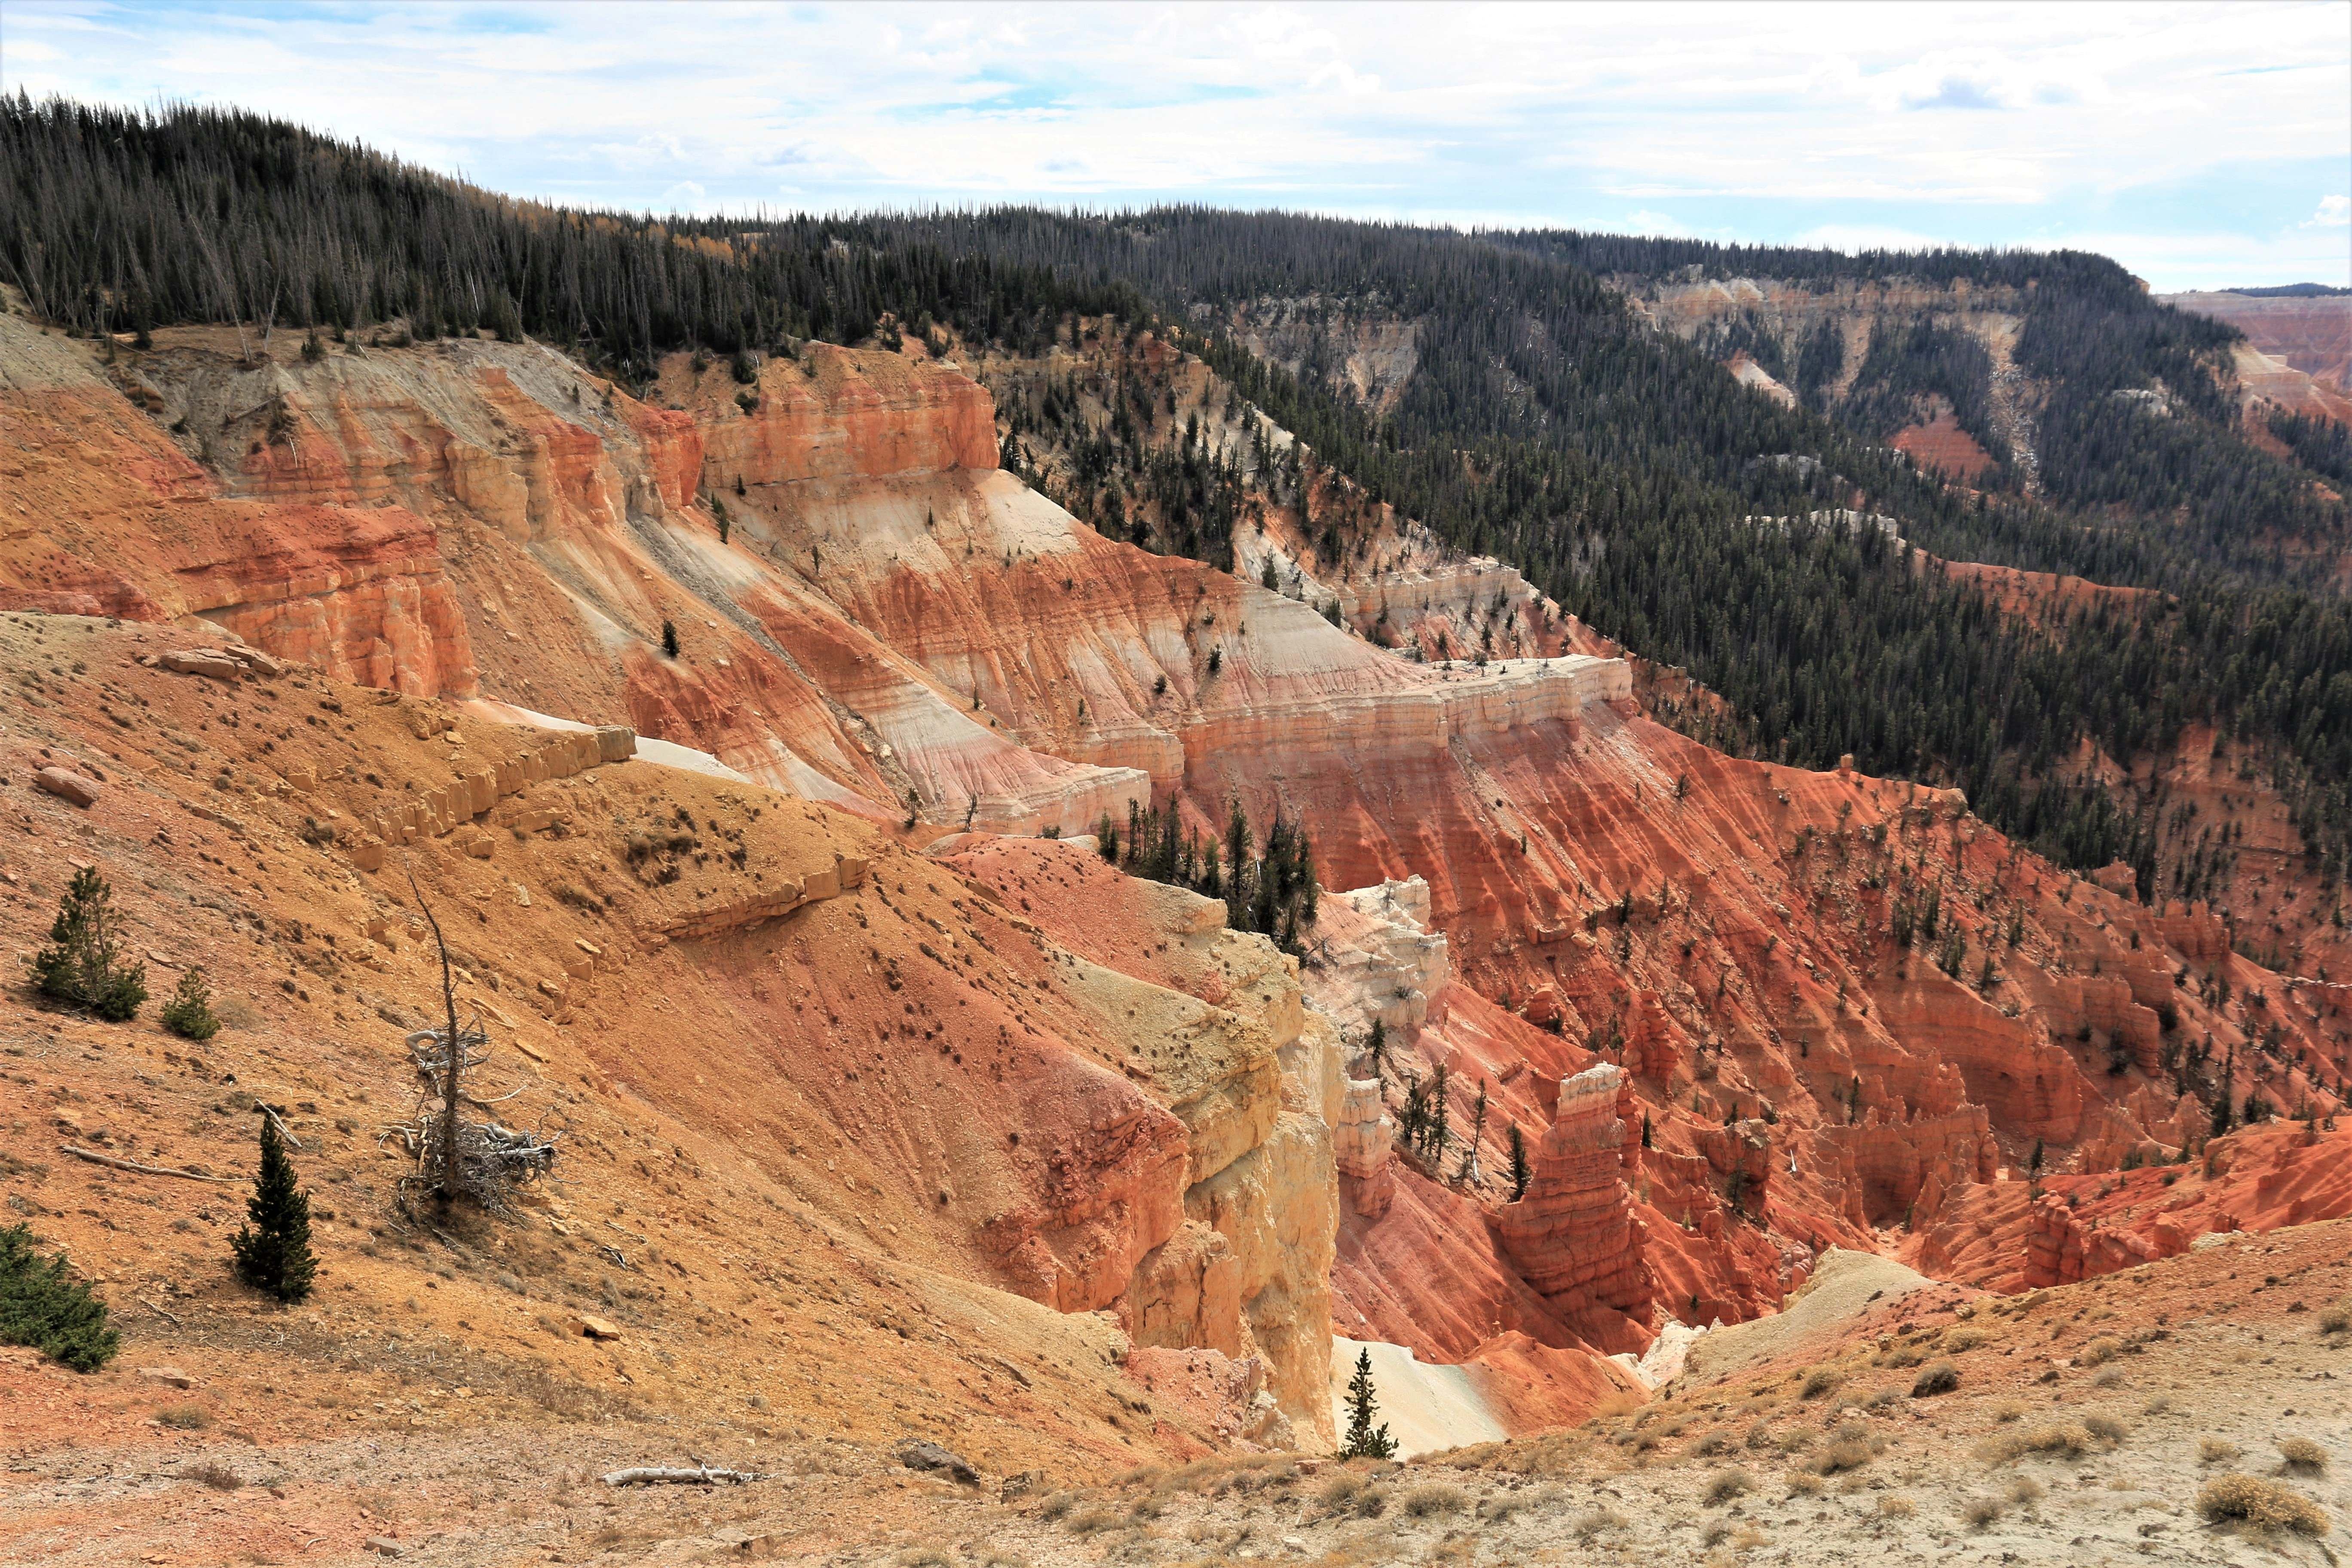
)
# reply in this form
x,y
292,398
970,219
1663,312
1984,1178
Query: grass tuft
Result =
x,y
1726,1484
2303,1456
1431,1499
213,1473
2263,1505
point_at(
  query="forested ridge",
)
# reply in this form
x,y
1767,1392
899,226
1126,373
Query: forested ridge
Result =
x,y
1702,525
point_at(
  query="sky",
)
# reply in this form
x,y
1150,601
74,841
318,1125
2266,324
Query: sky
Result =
x,y
2200,145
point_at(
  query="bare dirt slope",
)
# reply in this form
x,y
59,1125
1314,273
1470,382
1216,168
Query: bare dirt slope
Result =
x,y
805,1207
2084,1423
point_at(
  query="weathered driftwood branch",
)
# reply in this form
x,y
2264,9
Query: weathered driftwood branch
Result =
x,y
700,1476
95,1158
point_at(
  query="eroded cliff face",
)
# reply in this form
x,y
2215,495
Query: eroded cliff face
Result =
x,y
1549,885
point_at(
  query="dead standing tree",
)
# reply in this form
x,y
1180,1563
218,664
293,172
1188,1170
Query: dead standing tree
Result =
x,y
458,1156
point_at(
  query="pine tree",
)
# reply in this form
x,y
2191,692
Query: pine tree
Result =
x,y
273,1254
1365,1441
1522,1174
1440,1131
82,964
189,1013
669,638
1378,1047
41,1307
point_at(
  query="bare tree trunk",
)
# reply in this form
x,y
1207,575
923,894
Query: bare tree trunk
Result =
x,y
448,1186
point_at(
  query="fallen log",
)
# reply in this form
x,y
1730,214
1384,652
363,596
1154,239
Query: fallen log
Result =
x,y
699,1476
95,1158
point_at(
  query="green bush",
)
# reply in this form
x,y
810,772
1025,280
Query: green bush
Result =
x,y
82,962
189,1013
41,1307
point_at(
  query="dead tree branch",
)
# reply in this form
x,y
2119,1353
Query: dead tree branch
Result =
x,y
700,1476
95,1158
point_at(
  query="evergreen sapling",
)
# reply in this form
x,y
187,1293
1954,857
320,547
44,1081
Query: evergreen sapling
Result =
x,y
273,1253
189,1013
1365,1441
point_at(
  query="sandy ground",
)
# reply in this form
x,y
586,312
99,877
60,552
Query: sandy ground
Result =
x,y
1426,1407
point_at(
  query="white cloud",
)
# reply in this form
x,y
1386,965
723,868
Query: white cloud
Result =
x,y
1983,122
2335,212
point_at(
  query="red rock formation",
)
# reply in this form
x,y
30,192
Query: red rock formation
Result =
x,y
2002,1236
1574,1237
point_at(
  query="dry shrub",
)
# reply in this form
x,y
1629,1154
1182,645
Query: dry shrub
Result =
x,y
2215,1450
185,1417
1844,1454
1340,1490
1093,1521
1935,1377
1980,1512
1959,1341
2008,1410
1896,1507
213,1473
2106,1429
1818,1382
2065,1439
1716,1442
1056,1505
2157,1406
2303,1456
1498,1509
2261,1504
1433,1498
1804,1483
1726,1484
1759,1436
2336,1317
923,1557
2025,1491
1600,1521
2099,1351
2109,1377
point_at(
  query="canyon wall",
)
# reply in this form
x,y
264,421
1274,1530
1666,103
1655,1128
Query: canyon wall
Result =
x,y
873,617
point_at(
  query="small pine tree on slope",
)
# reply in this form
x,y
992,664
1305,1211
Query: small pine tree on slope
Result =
x,y
82,962
1365,1441
189,1013
273,1254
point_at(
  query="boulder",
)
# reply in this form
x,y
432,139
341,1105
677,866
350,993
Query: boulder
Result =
x,y
205,661
918,1455
67,785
